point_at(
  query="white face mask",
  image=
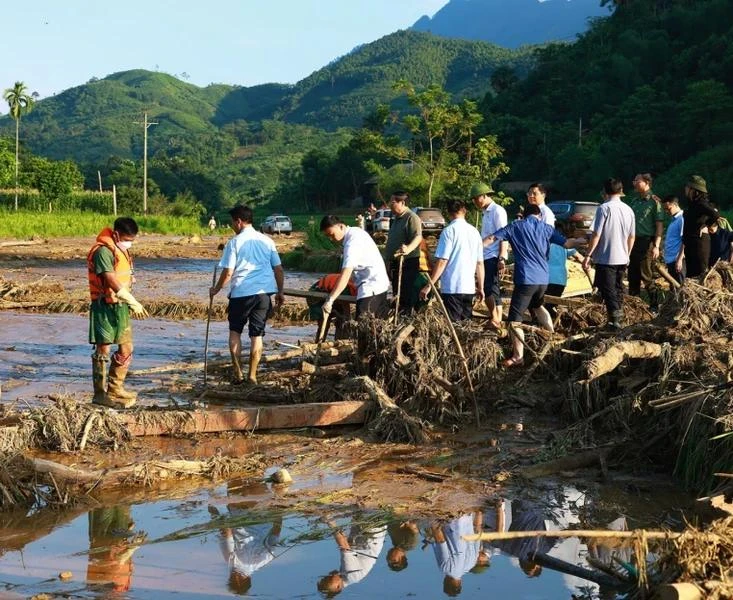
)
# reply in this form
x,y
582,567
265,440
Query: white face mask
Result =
x,y
124,245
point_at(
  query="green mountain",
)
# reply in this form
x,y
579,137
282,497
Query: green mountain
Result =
x,y
513,23
103,118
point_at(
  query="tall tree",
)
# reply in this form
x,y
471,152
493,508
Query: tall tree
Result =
x,y
19,101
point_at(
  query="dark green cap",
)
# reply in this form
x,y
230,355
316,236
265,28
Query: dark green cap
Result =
x,y
479,189
697,183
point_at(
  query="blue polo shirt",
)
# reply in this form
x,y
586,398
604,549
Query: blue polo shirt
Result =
x,y
530,239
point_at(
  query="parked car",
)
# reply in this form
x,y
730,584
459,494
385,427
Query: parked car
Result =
x,y
275,224
577,216
381,220
432,220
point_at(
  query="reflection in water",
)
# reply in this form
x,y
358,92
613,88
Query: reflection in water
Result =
x,y
455,555
111,546
246,548
183,557
359,551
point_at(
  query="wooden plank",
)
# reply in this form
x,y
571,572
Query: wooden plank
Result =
x,y
316,295
210,420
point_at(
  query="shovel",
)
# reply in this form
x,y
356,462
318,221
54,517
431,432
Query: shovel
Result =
x,y
208,322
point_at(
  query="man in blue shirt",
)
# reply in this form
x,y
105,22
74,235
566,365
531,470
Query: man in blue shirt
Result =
x,y
459,264
530,240
251,262
674,257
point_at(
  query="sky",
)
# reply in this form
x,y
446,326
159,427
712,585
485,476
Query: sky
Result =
x,y
52,45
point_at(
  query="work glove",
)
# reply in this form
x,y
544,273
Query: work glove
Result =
x,y
327,307
138,310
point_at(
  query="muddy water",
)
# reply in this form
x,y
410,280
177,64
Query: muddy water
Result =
x,y
188,279
42,354
219,541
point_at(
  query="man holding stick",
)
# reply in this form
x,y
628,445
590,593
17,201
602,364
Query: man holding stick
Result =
x,y
251,262
403,244
362,260
459,264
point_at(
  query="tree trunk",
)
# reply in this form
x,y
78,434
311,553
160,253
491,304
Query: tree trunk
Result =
x,y
17,130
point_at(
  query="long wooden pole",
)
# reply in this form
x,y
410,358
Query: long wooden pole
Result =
x,y
495,536
466,370
399,289
208,322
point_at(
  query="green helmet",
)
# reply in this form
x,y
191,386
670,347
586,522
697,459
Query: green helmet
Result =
x,y
480,188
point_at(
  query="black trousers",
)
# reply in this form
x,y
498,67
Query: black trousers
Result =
x,y
640,268
679,276
610,283
410,268
376,304
697,254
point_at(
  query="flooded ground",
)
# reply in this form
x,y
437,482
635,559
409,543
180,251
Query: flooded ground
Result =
x,y
232,539
353,516
42,354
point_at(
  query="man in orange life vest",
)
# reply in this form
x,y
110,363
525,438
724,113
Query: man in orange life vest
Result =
x,y
109,267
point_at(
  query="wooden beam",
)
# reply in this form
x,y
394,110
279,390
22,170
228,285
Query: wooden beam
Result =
x,y
210,420
316,295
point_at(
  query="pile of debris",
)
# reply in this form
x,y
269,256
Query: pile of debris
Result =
x,y
664,384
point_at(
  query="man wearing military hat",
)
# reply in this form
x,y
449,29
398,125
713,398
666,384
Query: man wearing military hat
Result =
x,y
699,215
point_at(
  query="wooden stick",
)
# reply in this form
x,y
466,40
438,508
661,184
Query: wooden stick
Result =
x,y
460,351
399,289
496,536
662,270
208,322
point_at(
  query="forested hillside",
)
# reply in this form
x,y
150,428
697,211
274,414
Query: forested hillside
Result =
x,y
653,85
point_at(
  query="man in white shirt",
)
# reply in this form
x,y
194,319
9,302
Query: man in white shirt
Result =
x,y
363,261
610,247
251,263
459,264
493,218
536,194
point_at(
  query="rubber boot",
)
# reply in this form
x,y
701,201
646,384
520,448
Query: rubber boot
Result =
x,y
117,396
99,377
616,318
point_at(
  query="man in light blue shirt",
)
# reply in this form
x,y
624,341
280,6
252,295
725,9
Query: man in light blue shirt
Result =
x,y
674,255
613,235
251,263
459,264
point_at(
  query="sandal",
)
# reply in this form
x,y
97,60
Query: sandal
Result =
x,y
512,362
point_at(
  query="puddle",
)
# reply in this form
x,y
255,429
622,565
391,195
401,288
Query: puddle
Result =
x,y
43,354
222,541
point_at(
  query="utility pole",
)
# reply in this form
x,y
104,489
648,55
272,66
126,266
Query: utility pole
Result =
x,y
580,132
145,125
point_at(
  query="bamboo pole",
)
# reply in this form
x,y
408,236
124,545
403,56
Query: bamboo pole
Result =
x,y
496,536
460,351
399,289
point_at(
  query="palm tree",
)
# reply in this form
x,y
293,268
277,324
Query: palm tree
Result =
x,y
19,102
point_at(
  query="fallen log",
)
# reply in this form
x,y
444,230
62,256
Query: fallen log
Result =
x,y
556,564
336,348
12,243
679,591
175,422
616,354
567,463
135,473
317,295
